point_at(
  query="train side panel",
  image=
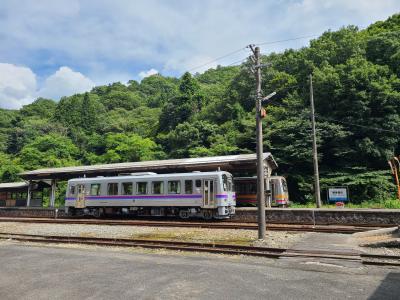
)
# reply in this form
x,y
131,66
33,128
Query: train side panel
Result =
x,y
187,194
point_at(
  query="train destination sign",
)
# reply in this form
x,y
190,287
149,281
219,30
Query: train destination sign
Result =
x,y
338,194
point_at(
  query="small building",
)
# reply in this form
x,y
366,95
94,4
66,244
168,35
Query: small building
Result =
x,y
16,193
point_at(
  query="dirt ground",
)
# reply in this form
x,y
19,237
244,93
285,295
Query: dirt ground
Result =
x,y
386,243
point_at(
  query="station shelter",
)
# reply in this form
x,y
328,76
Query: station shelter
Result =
x,y
235,164
15,194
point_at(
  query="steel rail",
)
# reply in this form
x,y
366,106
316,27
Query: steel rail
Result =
x,y
191,224
207,247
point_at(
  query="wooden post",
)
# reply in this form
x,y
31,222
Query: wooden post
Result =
x,y
394,169
317,191
259,146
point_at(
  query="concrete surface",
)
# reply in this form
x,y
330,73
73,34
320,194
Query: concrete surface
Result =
x,y
44,272
343,243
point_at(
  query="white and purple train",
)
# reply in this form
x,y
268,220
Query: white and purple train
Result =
x,y
198,194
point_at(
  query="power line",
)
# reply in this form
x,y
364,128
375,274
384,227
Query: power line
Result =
x,y
244,48
287,40
265,43
236,62
216,59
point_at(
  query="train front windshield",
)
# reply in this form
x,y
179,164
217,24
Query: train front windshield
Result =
x,y
227,183
284,185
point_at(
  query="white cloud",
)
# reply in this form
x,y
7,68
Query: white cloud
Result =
x,y
144,74
126,34
119,40
65,82
17,86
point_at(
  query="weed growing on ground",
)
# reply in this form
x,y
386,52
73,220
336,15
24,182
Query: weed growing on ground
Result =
x,y
388,203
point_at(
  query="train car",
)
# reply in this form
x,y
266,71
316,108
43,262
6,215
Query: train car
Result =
x,y
246,191
198,194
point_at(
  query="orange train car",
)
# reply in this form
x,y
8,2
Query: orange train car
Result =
x,y
246,191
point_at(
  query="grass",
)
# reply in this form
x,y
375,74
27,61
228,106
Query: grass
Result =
x,y
388,204
198,236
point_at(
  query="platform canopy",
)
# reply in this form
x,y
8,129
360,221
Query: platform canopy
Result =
x,y
22,186
14,186
231,163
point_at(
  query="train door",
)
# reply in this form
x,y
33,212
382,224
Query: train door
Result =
x,y
208,193
273,192
80,200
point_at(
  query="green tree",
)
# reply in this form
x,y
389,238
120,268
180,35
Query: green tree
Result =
x,y
181,108
9,168
50,150
90,113
121,99
40,108
124,148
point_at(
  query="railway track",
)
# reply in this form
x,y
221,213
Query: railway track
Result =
x,y
191,224
369,259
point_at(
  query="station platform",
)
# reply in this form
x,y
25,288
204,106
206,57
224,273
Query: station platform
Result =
x,y
322,216
306,216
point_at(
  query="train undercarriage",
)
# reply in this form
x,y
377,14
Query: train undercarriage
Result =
x,y
181,212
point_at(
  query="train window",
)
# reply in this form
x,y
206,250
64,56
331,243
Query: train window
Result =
x,y
81,188
224,182
273,189
112,188
127,188
95,189
238,187
252,188
188,186
284,185
230,184
174,187
158,187
198,183
141,188
72,190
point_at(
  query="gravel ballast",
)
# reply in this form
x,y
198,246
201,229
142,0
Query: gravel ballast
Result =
x,y
277,239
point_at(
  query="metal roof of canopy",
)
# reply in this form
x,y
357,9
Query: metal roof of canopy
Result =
x,y
240,162
11,186
22,186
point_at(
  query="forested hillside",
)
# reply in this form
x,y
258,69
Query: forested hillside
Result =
x,y
356,78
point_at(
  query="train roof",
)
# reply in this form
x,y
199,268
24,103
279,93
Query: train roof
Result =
x,y
134,176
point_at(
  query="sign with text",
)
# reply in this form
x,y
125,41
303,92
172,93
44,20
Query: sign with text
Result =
x,y
338,194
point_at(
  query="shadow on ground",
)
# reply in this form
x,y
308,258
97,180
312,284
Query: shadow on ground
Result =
x,y
389,288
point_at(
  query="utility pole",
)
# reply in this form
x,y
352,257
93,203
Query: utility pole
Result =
x,y
259,143
395,170
314,149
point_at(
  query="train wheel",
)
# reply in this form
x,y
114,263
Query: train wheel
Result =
x,y
97,213
207,214
184,214
71,212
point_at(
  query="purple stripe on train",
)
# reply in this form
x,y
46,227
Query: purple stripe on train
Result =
x,y
149,197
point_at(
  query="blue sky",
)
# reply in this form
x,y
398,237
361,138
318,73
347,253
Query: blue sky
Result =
x,y
56,48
